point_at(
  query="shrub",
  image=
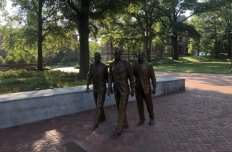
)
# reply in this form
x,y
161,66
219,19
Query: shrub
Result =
x,y
65,61
23,80
77,66
1,59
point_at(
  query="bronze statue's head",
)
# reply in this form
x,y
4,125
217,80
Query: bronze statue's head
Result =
x,y
97,57
117,54
141,56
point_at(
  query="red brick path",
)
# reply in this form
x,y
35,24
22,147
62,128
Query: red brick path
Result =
x,y
199,119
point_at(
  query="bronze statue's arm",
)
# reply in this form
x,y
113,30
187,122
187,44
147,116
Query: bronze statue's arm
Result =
x,y
153,78
106,73
131,78
133,68
110,79
88,79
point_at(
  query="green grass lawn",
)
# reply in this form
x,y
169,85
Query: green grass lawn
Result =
x,y
206,67
194,65
21,80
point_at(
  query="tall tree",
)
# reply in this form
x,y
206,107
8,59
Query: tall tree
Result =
x,y
41,18
174,10
146,15
226,18
2,7
2,3
174,21
214,27
80,12
15,45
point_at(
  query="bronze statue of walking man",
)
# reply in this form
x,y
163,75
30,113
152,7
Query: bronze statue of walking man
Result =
x,y
143,72
99,74
119,73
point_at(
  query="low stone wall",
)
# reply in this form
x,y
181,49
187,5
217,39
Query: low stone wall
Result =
x,y
26,107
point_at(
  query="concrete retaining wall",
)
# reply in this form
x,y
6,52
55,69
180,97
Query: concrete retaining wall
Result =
x,y
25,107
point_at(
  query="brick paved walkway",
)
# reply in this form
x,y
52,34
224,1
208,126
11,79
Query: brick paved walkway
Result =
x,y
199,119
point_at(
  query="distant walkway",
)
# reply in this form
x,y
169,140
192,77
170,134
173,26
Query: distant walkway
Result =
x,y
67,69
199,119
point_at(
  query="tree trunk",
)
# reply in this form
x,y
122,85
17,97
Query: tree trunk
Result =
x,y
216,43
149,48
147,51
83,30
216,49
198,47
175,55
40,37
111,50
230,46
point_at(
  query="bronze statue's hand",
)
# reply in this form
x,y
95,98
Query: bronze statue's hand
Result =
x,y
132,93
87,89
153,91
109,91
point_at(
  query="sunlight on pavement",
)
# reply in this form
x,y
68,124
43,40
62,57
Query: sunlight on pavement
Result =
x,y
67,69
203,85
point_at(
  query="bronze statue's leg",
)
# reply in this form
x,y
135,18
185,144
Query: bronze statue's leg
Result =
x,y
101,102
95,124
148,100
125,124
121,116
95,95
139,99
117,98
122,113
100,116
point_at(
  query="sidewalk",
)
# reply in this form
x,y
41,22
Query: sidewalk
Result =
x,y
199,119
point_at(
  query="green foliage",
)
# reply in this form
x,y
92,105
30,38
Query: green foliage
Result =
x,y
93,47
65,60
22,80
17,49
1,60
213,33
42,22
77,66
168,49
108,62
194,46
2,4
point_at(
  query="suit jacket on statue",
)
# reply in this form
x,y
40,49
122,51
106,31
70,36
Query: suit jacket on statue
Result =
x,y
99,74
119,73
143,72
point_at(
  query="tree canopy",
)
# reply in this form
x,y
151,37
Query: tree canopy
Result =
x,y
48,25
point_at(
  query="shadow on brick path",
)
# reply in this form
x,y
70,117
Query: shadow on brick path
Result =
x,y
199,119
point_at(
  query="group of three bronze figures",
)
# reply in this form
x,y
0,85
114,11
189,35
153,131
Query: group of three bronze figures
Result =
x,y
119,72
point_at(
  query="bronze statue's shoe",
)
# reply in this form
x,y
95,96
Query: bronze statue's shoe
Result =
x,y
151,123
93,127
125,126
140,123
115,135
102,120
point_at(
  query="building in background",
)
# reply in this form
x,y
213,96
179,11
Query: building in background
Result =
x,y
107,53
182,39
